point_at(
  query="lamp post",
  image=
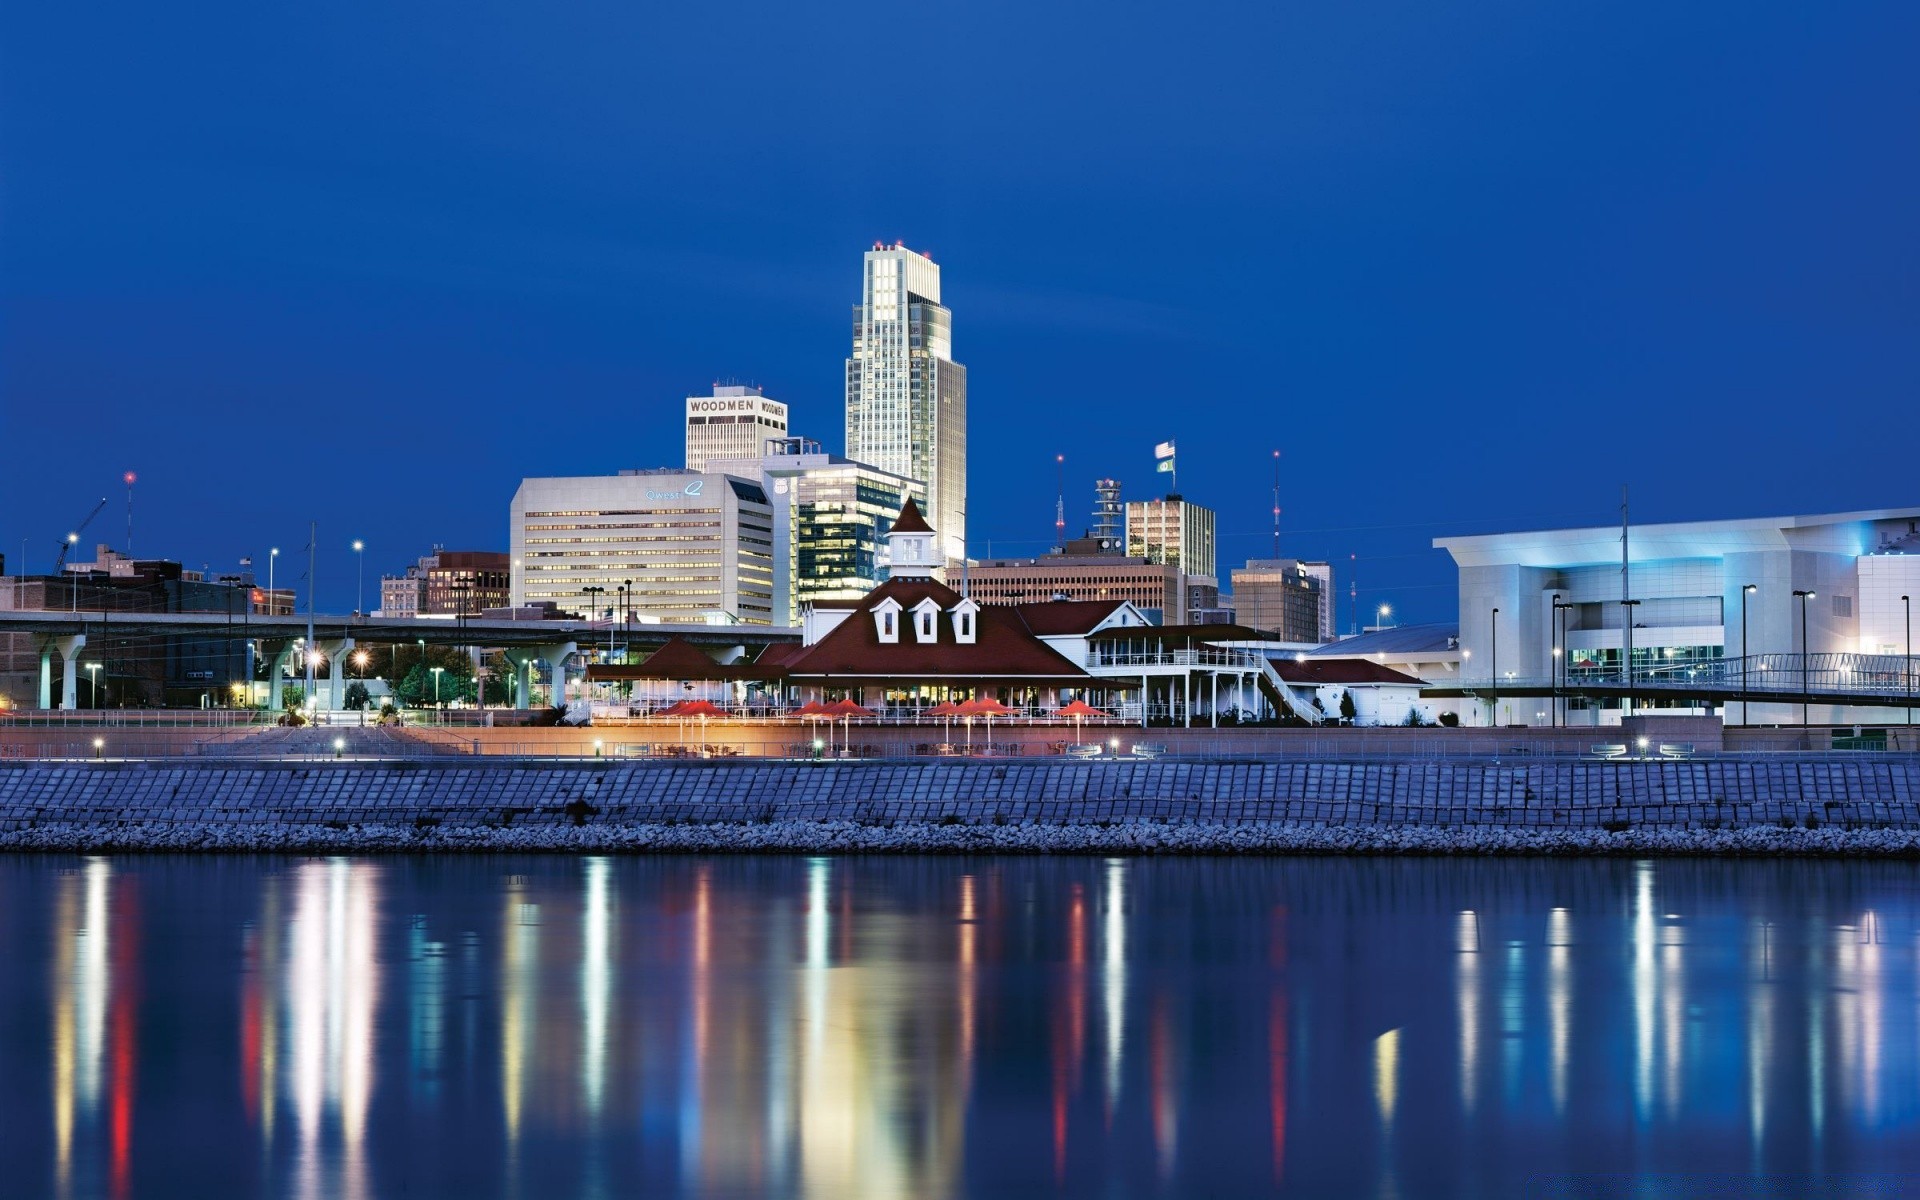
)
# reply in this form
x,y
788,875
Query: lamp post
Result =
x,y
273,610
1804,595
623,605
593,592
1493,715
1626,642
93,676
1746,659
626,623
360,588
1559,659
436,685
1906,664
1381,614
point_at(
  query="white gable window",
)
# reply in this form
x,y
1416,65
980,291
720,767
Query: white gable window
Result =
x,y
926,620
886,619
966,621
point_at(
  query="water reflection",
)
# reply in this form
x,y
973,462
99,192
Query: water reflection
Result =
x,y
844,1027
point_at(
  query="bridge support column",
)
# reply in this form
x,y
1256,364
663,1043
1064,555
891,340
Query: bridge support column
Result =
x,y
336,655
522,663
69,648
556,656
277,677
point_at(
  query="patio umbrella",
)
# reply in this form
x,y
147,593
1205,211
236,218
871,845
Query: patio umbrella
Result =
x,y
845,711
702,709
1080,710
946,710
984,707
813,711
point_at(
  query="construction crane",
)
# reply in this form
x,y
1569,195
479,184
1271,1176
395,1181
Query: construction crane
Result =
x,y
73,539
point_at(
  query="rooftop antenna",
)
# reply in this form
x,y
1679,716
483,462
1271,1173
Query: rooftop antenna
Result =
x,y
1109,515
1276,504
1353,594
1060,502
130,478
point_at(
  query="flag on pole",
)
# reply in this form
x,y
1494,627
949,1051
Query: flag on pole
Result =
x,y
1163,450
1164,466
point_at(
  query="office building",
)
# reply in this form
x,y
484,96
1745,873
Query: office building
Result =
x,y
1175,531
1679,603
662,545
734,422
1083,572
448,583
1281,596
830,520
906,397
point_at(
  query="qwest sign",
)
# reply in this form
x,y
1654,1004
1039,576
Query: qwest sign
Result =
x,y
692,491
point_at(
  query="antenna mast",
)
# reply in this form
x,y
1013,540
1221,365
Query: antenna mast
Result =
x,y
1276,504
1060,502
130,478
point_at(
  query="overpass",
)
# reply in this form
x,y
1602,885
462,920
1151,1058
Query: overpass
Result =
x,y
524,642
1855,680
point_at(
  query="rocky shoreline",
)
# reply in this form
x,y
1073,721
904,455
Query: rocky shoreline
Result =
x,y
852,837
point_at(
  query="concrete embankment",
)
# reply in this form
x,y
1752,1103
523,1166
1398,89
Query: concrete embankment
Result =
x,y
1841,804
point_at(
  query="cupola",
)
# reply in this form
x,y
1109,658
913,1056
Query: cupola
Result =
x,y
910,545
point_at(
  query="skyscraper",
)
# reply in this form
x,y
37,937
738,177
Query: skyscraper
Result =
x,y
906,397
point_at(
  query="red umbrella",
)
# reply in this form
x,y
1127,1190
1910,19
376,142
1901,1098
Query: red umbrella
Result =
x,y
692,708
986,707
947,710
1077,710
847,708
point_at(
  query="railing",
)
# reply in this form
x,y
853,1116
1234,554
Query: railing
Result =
x,y
1882,676
1244,660
135,718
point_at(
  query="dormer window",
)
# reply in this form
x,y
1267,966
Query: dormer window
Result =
x,y
965,621
886,619
926,620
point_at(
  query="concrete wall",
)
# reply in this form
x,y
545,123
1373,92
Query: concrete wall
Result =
x,y
435,798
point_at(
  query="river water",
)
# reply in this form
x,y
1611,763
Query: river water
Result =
x,y
923,1027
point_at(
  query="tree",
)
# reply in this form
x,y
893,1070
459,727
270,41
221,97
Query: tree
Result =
x,y
293,697
1348,712
357,695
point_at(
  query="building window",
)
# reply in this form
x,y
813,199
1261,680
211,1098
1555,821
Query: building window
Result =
x,y
926,630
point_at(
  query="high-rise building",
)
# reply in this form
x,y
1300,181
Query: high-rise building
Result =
x,y
1282,596
659,545
830,519
734,422
906,397
1175,531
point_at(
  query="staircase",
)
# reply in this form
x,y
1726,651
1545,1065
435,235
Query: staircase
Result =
x,y
1282,695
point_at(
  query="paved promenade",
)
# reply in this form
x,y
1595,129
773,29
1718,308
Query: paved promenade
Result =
x,y
1840,802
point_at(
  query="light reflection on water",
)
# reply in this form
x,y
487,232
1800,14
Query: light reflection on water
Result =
x,y
944,1027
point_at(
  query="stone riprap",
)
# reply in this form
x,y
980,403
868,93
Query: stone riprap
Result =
x,y
1829,804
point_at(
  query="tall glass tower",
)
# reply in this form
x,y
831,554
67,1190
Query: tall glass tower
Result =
x,y
906,397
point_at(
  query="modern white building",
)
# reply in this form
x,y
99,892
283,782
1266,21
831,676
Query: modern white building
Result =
x,y
734,422
1688,594
906,397
660,545
1178,532
830,520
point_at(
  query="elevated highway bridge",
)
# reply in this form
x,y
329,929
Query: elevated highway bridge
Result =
x,y
1850,680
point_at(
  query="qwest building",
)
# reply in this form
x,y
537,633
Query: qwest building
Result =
x,y
906,397
662,545
1682,598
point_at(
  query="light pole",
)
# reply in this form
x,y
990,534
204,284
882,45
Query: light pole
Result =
x,y
1805,595
1906,664
273,555
593,592
1381,614
1560,659
360,588
436,685
1626,626
93,676
1746,660
1493,716
623,606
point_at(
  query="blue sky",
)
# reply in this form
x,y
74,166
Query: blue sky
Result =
x,y
1469,267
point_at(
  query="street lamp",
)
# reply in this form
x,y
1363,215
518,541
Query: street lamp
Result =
x,y
1626,644
436,685
360,592
593,591
1493,714
1381,615
93,676
1745,657
1906,665
1559,658
1805,595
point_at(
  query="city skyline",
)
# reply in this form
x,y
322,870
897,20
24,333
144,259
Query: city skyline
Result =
x,y
1454,288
